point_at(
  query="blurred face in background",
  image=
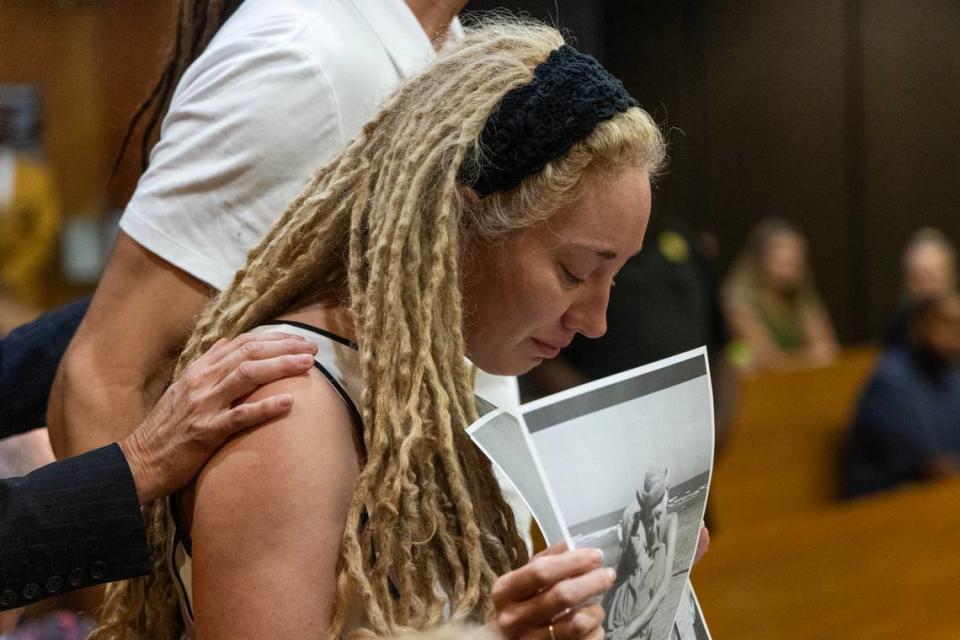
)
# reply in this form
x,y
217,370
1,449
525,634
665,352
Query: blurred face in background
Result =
x,y
929,271
783,261
938,329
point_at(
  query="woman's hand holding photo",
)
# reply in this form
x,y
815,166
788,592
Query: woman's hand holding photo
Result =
x,y
550,597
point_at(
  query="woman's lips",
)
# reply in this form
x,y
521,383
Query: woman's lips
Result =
x,y
547,350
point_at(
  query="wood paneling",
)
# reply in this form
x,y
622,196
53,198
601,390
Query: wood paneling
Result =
x,y
93,62
53,48
837,114
911,150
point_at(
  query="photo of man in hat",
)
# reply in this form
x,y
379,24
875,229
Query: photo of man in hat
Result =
x,y
647,549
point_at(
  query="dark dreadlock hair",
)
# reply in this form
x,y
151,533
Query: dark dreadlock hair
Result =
x,y
197,22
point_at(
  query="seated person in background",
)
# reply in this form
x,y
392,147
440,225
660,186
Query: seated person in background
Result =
x,y
907,424
929,270
772,305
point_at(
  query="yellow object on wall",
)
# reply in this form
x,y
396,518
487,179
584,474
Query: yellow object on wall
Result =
x,y
29,222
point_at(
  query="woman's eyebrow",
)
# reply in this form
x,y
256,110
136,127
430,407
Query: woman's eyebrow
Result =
x,y
606,254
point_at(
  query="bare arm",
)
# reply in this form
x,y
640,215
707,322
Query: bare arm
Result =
x,y
822,342
268,519
118,361
764,352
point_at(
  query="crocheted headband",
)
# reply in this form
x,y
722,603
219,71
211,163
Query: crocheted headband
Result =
x,y
570,94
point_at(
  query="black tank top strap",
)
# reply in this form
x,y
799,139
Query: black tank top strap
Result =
x,y
337,359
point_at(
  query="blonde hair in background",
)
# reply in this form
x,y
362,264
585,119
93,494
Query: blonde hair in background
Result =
x,y
378,230
745,281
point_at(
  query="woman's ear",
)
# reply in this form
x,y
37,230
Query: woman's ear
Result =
x,y
469,239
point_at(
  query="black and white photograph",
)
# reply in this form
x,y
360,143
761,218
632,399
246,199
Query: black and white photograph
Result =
x,y
502,438
629,459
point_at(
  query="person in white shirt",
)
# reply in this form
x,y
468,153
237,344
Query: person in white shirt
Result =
x,y
279,90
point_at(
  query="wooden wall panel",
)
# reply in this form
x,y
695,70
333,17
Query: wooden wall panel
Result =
x,y
911,155
133,49
93,62
837,114
45,45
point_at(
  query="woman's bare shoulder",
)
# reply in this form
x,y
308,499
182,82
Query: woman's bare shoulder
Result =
x,y
315,444
271,499
317,430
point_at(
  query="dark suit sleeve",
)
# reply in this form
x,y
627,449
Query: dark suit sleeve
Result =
x,y
29,358
70,524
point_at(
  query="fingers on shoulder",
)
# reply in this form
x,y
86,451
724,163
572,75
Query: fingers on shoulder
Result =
x,y
315,433
291,466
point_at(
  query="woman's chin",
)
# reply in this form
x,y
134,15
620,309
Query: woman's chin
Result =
x,y
508,366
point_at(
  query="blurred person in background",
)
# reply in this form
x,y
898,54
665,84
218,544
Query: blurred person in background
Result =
x,y
929,265
29,224
929,271
774,312
907,424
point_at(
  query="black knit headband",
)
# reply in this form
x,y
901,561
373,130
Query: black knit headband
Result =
x,y
570,94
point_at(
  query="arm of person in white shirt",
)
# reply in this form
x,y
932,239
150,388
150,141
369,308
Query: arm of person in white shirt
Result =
x,y
117,363
230,157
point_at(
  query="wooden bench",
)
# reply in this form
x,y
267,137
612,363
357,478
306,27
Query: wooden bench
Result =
x,y
788,561
781,455
883,568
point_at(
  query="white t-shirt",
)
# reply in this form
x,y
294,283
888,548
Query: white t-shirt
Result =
x,y
281,89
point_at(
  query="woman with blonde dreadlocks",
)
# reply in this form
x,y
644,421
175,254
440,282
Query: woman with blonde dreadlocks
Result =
x,y
483,213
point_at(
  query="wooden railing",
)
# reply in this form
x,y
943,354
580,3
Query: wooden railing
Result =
x,y
787,560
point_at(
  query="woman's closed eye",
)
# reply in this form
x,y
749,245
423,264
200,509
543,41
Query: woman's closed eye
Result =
x,y
571,278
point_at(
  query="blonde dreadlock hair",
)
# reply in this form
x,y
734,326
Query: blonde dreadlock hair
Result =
x,y
381,226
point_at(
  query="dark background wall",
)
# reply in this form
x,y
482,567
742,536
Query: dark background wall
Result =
x,y
836,114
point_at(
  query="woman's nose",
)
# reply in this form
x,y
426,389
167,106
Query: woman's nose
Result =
x,y
589,314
